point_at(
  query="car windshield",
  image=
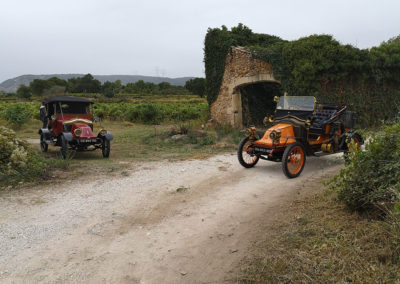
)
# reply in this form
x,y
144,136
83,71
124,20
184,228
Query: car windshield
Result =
x,y
73,108
296,103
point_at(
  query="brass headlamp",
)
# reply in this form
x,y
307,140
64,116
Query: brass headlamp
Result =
x,y
251,132
275,135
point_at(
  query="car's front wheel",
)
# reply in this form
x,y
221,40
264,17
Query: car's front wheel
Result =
x,y
293,160
246,159
64,147
43,145
106,148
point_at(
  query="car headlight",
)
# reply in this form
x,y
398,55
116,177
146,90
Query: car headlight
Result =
x,y
78,132
275,135
103,132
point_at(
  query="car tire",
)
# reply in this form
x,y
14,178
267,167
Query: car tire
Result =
x,y
106,148
64,147
293,160
43,145
245,159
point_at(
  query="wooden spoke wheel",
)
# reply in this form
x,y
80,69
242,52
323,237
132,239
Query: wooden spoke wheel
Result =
x,y
66,152
246,159
293,160
64,147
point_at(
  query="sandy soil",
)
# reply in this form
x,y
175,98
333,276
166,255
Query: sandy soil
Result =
x,y
182,222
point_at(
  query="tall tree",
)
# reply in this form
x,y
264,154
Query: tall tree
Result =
x,y
196,86
85,84
24,92
38,86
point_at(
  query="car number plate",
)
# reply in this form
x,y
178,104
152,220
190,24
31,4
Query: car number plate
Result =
x,y
88,140
262,150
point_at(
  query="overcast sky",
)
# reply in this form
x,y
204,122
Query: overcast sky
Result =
x,y
165,38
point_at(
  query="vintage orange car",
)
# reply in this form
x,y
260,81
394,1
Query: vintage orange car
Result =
x,y
300,127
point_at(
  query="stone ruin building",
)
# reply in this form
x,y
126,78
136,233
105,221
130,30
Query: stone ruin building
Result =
x,y
247,90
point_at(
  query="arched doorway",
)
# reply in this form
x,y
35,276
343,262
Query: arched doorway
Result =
x,y
257,101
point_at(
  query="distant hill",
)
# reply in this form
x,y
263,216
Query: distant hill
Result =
x,y
11,85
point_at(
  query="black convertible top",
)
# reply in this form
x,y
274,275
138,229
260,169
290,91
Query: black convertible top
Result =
x,y
66,99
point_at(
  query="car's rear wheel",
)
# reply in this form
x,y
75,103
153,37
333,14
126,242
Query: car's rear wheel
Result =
x,y
106,148
246,159
293,160
43,145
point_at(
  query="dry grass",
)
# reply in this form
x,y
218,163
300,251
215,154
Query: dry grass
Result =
x,y
320,241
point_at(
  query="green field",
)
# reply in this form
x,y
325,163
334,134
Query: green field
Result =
x,y
154,111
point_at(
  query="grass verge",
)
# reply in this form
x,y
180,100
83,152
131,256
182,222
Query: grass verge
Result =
x,y
319,241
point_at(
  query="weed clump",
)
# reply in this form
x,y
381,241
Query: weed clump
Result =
x,y
18,162
370,182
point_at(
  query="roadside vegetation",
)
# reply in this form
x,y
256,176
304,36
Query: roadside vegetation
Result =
x,y
349,233
20,163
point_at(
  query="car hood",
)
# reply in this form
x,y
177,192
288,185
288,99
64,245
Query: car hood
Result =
x,y
86,130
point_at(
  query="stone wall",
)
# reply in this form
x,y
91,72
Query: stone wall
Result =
x,y
240,70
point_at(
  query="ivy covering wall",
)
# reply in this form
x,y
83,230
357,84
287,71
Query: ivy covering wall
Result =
x,y
368,80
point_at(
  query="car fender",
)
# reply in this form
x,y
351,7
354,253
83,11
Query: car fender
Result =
x,y
45,132
109,136
68,136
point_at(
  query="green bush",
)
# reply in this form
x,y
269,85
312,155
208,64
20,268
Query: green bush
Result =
x,y
153,113
371,179
146,113
18,113
18,162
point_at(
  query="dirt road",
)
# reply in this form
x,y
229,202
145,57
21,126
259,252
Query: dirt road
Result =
x,y
183,222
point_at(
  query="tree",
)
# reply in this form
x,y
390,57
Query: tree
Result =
x,y
164,86
85,84
110,89
196,86
57,81
38,86
24,92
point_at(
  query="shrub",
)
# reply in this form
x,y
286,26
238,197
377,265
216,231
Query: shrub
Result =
x,y
18,162
207,140
17,113
146,113
371,179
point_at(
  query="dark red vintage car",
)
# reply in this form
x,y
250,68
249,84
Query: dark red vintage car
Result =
x,y
70,126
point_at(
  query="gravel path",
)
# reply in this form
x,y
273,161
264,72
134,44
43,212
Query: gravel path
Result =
x,y
187,222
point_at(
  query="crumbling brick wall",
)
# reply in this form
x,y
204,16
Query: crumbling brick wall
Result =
x,y
240,70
